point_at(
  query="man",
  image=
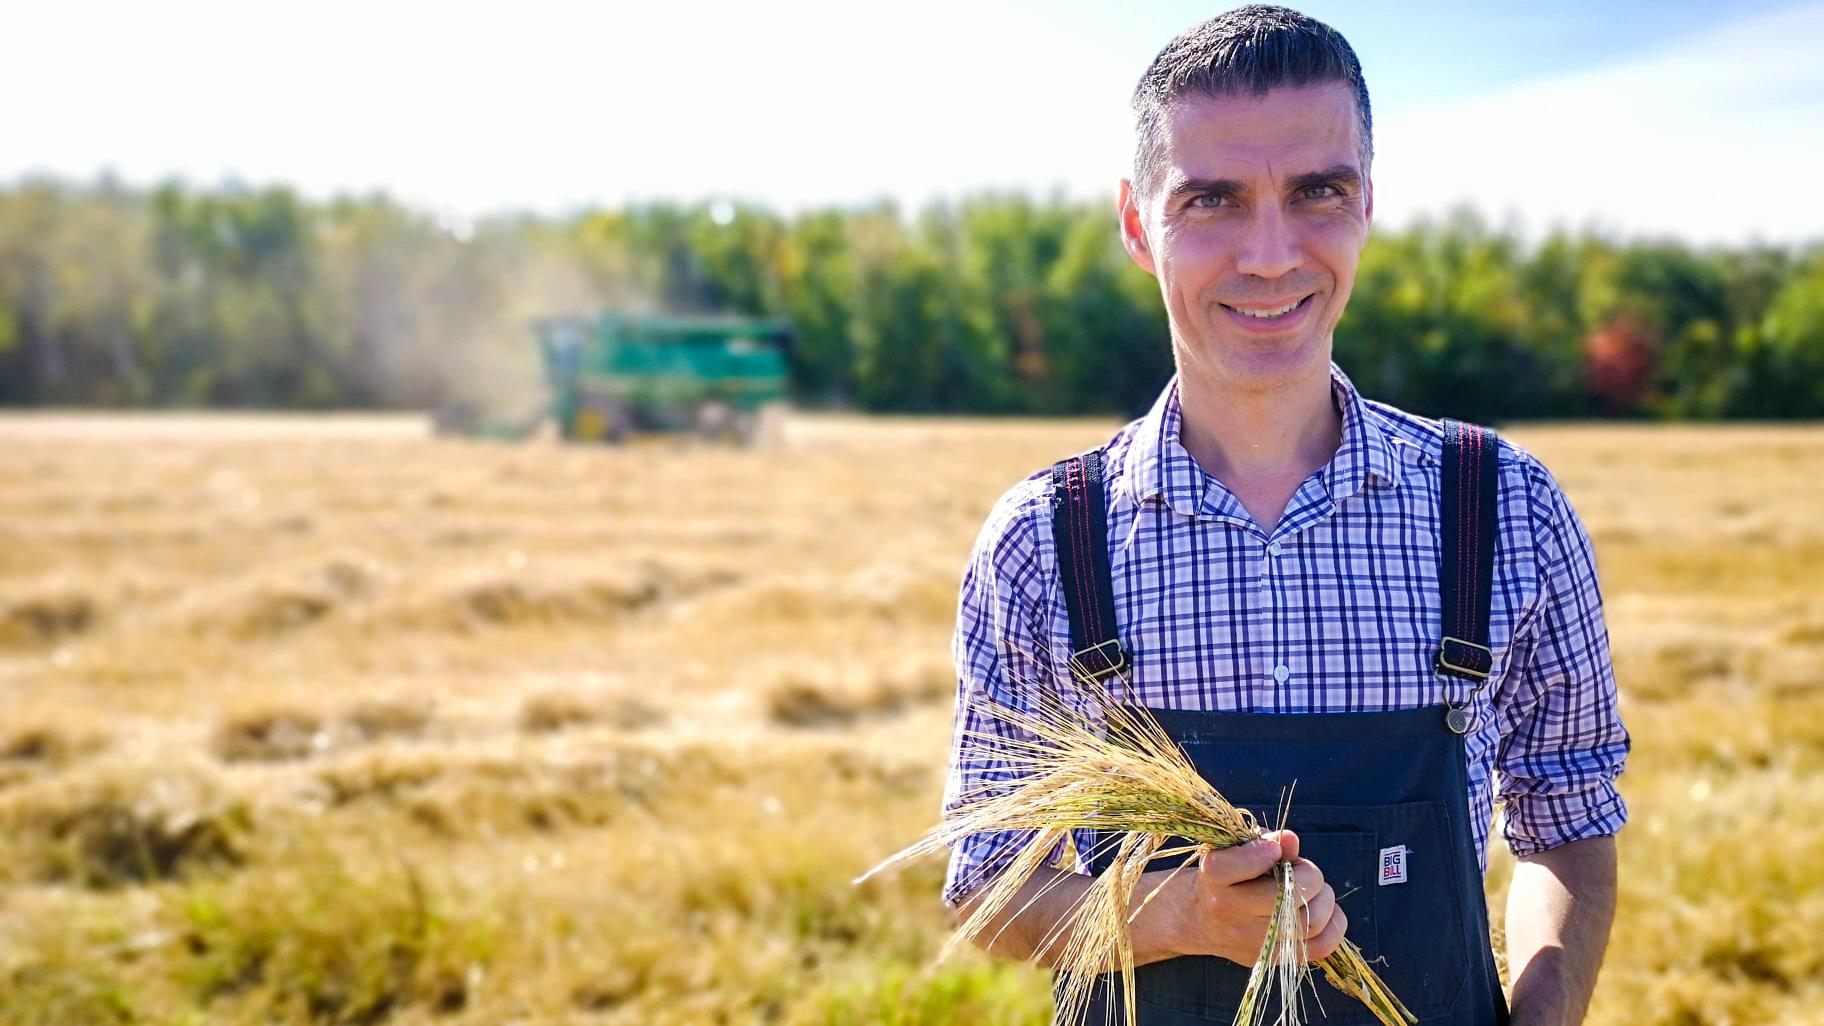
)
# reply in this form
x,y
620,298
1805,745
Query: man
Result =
x,y
1274,550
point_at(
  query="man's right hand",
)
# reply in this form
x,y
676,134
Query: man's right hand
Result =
x,y
1220,908
1225,905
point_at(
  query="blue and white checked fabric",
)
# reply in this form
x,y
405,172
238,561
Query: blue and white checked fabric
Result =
x,y
1336,610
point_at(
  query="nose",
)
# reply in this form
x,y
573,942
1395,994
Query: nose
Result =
x,y
1269,246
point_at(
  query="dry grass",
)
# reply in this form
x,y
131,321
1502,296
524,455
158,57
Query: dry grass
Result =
x,y
843,695
325,721
551,711
119,824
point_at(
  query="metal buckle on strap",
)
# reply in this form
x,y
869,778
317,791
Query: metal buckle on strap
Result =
x,y
1115,663
1466,656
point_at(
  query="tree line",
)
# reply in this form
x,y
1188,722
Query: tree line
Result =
x,y
180,296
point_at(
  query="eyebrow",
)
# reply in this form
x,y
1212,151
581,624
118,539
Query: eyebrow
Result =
x,y
1341,175
1344,175
1204,187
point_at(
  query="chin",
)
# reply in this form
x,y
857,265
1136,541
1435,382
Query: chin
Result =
x,y
1252,366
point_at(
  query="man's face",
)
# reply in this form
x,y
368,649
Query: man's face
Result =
x,y
1263,205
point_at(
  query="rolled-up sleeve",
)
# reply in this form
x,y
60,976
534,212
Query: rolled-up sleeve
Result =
x,y
1559,760
1000,647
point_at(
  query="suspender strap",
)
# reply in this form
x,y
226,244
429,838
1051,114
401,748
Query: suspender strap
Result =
x,y
1466,575
1079,529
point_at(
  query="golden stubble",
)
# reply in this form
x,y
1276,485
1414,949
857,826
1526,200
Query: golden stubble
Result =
x,y
314,720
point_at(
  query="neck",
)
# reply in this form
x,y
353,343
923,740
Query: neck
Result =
x,y
1282,433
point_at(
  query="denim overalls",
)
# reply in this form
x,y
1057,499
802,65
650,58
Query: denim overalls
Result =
x,y
1381,802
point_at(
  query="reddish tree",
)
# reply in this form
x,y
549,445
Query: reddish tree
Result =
x,y
1619,360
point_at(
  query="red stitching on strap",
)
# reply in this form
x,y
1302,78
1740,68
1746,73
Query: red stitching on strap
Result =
x,y
1070,488
1092,600
1466,521
1077,481
1473,554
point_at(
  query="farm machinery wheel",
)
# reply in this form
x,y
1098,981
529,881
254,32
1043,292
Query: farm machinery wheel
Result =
x,y
720,421
600,419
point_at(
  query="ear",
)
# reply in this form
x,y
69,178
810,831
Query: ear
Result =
x,y
1368,198
1133,228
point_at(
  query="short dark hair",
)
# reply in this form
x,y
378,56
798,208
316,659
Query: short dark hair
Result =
x,y
1247,50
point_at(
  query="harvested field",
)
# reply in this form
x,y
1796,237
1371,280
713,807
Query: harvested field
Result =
x,y
321,720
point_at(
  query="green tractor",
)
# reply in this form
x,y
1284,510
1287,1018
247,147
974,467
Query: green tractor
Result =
x,y
617,374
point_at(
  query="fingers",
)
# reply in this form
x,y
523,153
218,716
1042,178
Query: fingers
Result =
x,y
1255,899
1230,866
1237,891
1329,938
1319,909
1288,843
1307,879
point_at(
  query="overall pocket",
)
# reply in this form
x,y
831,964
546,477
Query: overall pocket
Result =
x,y
1411,931
1417,885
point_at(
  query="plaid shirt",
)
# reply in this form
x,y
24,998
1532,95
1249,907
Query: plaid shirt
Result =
x,y
1335,610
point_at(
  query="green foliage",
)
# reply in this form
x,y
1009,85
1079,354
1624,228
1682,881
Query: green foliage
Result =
x,y
998,303
64,994
323,943
1791,345
975,993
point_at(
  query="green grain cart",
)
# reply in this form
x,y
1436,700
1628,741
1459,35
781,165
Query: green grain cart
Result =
x,y
616,374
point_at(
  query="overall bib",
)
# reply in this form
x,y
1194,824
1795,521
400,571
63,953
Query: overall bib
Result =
x,y
1381,798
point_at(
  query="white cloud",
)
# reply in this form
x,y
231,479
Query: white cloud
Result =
x,y
1716,140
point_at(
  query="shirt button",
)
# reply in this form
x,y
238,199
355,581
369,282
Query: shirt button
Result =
x,y
1281,672
1273,549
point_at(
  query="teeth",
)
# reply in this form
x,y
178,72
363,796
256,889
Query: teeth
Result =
x,y
1264,314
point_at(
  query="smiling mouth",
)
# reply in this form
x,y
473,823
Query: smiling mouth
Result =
x,y
1271,313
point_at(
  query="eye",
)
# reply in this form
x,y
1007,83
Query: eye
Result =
x,y
1208,200
1319,192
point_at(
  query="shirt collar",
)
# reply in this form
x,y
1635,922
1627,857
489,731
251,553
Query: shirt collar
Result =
x,y
1155,463
1365,451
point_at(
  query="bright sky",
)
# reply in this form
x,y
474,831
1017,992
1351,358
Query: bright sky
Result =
x,y
1699,120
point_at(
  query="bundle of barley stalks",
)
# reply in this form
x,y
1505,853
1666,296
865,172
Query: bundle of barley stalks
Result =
x,y
1114,769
